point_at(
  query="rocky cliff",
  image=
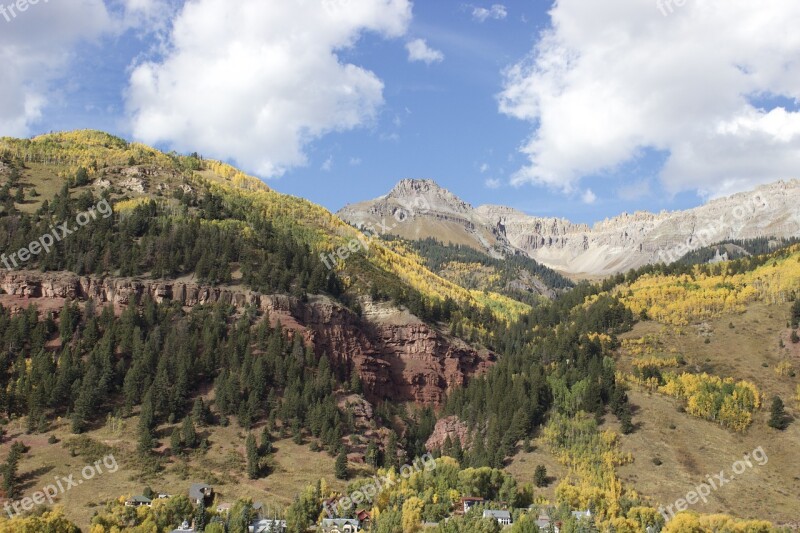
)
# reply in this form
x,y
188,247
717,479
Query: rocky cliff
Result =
x,y
398,357
610,246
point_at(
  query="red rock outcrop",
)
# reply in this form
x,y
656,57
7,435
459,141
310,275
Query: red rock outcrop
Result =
x,y
407,361
449,426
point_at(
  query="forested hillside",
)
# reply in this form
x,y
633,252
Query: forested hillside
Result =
x,y
224,392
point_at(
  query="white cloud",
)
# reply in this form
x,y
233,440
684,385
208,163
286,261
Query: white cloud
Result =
x,y
355,161
327,165
496,12
418,50
634,191
257,81
493,183
588,197
35,50
612,79
484,168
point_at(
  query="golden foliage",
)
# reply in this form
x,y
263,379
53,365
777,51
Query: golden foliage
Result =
x,y
726,401
50,521
686,299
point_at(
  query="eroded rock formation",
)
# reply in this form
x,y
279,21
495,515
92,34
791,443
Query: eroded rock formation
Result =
x,y
399,360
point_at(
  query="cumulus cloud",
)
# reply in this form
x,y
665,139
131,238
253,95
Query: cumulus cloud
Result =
x,y
614,79
588,197
257,81
418,50
493,183
36,49
38,45
496,12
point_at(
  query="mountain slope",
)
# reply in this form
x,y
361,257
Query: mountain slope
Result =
x,y
611,246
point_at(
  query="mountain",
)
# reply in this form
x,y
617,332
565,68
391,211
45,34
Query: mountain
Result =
x,y
610,246
162,310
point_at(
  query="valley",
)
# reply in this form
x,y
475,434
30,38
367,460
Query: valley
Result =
x,y
198,335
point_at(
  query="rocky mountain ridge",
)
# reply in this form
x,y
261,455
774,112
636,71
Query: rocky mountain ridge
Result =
x,y
614,245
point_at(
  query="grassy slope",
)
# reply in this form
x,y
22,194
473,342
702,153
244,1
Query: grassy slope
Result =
x,y
696,448
294,468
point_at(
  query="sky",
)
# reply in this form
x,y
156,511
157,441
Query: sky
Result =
x,y
575,108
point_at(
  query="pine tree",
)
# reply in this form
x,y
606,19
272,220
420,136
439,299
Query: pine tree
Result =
x,y
372,455
199,411
189,433
266,441
252,457
341,465
540,476
10,478
796,314
355,382
146,423
175,443
200,517
778,418
390,455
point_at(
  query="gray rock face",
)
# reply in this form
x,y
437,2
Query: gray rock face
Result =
x,y
610,246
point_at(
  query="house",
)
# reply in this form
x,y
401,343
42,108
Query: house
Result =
x,y
469,503
201,493
163,496
139,501
258,507
223,508
502,517
582,515
546,525
267,526
340,525
363,516
184,528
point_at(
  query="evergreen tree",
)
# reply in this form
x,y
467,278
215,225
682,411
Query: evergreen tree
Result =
x,y
189,433
795,319
175,442
10,477
146,423
540,476
355,382
252,457
266,441
372,455
200,517
778,418
340,468
390,455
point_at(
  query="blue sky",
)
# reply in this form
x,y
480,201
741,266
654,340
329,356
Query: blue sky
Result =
x,y
535,105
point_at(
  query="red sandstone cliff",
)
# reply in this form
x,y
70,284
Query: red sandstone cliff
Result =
x,y
398,357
